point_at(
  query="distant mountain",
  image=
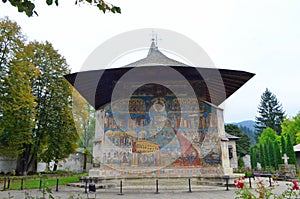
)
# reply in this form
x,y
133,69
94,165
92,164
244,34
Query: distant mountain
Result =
x,y
247,127
247,123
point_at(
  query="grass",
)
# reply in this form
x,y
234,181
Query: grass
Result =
x,y
34,183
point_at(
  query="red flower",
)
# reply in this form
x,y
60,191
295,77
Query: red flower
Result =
x,y
296,186
243,177
234,181
240,185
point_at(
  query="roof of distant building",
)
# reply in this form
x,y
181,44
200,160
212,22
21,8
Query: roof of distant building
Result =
x,y
231,137
297,148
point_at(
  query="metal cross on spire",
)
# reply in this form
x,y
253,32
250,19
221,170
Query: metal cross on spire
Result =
x,y
155,38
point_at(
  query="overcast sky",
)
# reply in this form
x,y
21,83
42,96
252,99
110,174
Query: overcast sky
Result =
x,y
262,37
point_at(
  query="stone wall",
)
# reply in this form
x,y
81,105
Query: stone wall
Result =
x,y
7,165
234,158
73,164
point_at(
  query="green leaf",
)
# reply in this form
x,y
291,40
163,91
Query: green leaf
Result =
x,y
118,9
49,2
89,1
56,2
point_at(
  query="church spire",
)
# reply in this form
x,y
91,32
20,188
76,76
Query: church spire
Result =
x,y
153,46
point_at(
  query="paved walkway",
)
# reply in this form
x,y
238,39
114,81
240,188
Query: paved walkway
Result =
x,y
144,192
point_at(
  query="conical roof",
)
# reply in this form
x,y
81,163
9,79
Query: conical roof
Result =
x,y
155,58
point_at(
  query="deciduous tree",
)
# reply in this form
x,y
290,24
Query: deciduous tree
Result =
x,y
28,6
35,101
84,116
292,127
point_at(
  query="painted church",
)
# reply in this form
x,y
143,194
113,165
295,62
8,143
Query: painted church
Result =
x,y
158,117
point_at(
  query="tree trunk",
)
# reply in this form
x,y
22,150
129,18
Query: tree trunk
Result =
x,y
26,162
55,165
84,161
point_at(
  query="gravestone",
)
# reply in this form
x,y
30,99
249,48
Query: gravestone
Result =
x,y
286,170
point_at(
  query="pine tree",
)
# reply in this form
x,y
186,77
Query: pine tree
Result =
x,y
270,112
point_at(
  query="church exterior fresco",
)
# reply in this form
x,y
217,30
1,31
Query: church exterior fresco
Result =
x,y
160,136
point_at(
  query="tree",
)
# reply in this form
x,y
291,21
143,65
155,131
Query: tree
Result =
x,y
28,6
270,112
54,105
290,150
253,157
277,155
243,144
84,117
262,155
250,133
11,41
35,101
17,102
268,150
292,127
283,147
267,155
18,108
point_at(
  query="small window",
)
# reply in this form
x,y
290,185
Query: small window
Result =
x,y
230,151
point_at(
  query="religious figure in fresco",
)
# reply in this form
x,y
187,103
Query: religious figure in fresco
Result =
x,y
161,136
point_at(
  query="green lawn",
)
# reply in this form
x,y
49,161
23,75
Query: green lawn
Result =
x,y
34,183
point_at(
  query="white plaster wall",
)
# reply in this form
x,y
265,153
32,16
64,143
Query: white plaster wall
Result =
x,y
234,159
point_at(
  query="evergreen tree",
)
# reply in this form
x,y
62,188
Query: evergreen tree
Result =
x,y
272,154
249,133
253,157
283,147
270,112
267,155
267,140
262,159
290,150
243,144
277,154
